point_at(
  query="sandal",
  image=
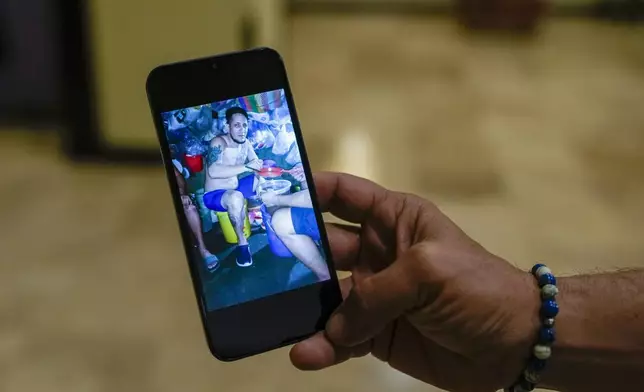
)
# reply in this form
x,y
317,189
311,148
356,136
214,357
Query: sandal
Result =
x,y
212,263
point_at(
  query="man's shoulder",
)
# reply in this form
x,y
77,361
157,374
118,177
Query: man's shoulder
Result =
x,y
218,141
217,146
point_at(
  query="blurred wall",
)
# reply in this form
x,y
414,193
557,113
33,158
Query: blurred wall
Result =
x,y
130,38
270,18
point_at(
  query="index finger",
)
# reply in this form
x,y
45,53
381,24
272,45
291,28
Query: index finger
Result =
x,y
348,197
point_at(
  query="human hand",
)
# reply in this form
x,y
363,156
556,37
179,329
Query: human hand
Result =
x,y
298,172
255,165
270,199
423,296
186,201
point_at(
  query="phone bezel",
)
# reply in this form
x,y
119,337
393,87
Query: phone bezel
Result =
x,y
271,322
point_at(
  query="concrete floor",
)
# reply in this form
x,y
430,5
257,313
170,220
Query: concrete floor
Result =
x,y
535,146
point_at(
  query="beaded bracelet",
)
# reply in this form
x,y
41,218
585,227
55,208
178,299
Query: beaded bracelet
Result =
x,y
543,349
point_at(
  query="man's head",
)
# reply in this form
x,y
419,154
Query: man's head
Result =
x,y
237,122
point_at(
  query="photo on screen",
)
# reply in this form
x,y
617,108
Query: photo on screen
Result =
x,y
245,197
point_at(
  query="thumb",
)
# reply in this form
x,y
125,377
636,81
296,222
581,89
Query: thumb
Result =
x,y
375,301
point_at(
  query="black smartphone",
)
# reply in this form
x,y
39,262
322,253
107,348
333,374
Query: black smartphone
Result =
x,y
255,241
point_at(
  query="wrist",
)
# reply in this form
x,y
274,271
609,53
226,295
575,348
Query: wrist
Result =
x,y
526,321
523,325
599,344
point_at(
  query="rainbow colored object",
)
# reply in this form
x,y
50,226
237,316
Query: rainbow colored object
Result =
x,y
261,103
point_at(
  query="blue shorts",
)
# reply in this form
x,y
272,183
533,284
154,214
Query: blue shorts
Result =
x,y
212,200
304,222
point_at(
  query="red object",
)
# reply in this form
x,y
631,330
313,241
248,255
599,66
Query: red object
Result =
x,y
272,171
194,163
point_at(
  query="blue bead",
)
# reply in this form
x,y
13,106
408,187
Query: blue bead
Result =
x,y
536,267
546,335
547,279
549,309
536,364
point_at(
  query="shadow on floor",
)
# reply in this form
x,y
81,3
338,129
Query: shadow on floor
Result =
x,y
230,284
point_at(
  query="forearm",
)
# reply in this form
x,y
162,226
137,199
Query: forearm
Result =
x,y
181,183
300,199
222,171
600,334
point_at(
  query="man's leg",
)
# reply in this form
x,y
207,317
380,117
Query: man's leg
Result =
x,y
194,220
302,246
195,224
233,202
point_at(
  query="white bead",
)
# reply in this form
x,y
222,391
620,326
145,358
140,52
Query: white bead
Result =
x,y
549,291
549,322
542,352
543,271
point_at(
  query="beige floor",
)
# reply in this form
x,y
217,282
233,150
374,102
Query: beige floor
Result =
x,y
536,147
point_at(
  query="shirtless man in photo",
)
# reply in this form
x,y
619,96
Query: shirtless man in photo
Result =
x,y
231,162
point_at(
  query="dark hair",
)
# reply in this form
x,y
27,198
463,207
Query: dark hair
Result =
x,y
235,110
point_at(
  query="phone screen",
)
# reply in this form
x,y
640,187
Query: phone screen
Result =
x,y
245,197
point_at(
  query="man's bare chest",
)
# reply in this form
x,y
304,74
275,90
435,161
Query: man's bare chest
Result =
x,y
234,155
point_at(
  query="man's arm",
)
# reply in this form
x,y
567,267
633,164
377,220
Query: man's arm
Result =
x,y
181,182
253,160
300,199
252,155
213,162
600,334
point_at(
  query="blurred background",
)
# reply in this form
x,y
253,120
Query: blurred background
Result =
x,y
521,119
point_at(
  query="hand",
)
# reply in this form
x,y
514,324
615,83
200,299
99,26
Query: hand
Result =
x,y
270,199
255,165
186,200
423,296
298,172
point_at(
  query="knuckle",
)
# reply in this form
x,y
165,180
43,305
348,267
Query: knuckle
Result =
x,y
428,204
422,263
